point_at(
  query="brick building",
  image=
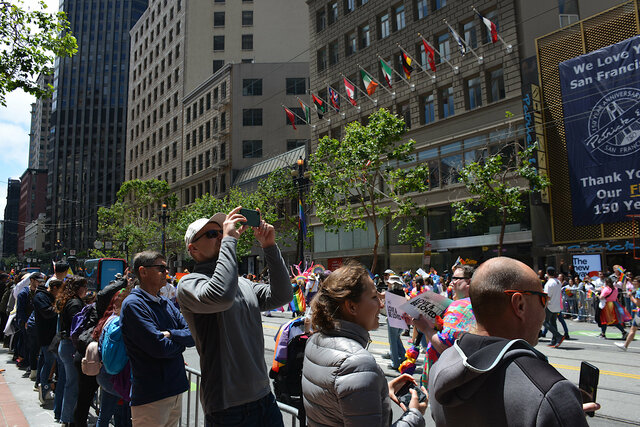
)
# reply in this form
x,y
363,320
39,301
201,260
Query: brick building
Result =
x,y
33,202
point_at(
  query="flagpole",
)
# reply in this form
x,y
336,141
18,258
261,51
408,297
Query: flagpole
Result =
x,y
293,112
328,103
455,69
375,101
328,119
302,102
309,107
393,94
422,67
479,58
397,73
342,96
508,47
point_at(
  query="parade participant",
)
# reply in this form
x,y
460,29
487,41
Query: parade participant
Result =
x,y
494,376
155,336
612,314
396,349
553,288
46,323
341,382
635,323
223,312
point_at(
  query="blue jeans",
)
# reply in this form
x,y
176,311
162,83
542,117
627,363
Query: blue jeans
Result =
x,y
395,346
47,362
66,351
60,385
109,404
261,413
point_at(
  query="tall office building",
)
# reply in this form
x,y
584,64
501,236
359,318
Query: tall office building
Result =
x,y
11,213
86,158
39,134
197,68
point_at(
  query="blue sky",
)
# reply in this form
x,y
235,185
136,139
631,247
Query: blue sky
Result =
x,y
15,123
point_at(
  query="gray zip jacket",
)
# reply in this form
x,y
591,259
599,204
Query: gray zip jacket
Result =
x,y
223,313
342,384
491,381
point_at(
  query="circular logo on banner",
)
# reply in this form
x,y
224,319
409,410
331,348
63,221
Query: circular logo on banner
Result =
x,y
614,123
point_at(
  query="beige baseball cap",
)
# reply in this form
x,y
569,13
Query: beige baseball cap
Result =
x,y
198,224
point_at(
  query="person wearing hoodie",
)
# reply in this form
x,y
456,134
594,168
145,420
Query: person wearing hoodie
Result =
x,y
495,377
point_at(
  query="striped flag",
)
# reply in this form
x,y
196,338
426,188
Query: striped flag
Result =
x,y
431,55
291,117
321,108
306,111
491,28
387,72
368,82
406,65
351,91
335,99
458,39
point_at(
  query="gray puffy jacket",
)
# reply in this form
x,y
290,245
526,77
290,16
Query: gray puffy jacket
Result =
x,y
343,385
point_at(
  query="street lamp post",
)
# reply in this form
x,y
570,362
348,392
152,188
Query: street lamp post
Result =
x,y
301,182
163,218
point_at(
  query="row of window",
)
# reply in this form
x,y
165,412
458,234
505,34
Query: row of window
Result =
x,y
204,102
214,186
148,59
219,19
204,160
252,148
143,171
158,70
151,19
293,86
152,117
247,42
203,132
152,96
138,150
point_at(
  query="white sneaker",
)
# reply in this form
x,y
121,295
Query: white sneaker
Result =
x,y
620,346
32,374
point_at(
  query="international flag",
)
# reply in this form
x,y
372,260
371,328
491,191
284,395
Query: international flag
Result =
x,y
431,55
351,91
335,99
387,72
321,108
458,39
368,82
406,65
306,111
291,117
491,28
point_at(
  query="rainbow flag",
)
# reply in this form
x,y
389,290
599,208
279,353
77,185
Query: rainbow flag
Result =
x,y
298,303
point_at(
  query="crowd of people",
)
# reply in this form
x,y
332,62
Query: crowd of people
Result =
x,y
128,339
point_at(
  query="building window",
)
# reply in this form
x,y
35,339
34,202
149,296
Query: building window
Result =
x,y
350,43
400,21
298,115
218,19
321,59
567,19
383,22
446,102
251,87
496,85
443,47
292,144
404,111
349,6
321,20
334,55
428,110
218,43
296,85
247,42
469,34
365,36
252,149
186,168
217,64
333,12
247,18
422,8
252,117
474,93
437,4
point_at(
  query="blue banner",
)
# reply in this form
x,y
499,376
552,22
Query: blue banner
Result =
x,y
601,101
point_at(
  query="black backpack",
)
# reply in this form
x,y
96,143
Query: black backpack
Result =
x,y
287,381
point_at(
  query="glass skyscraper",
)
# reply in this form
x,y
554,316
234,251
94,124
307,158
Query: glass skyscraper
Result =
x,y
86,159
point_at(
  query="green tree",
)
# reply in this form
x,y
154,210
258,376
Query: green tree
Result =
x,y
360,182
492,183
30,41
124,222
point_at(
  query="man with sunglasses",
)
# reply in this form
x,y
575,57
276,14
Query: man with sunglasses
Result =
x,y
494,376
155,335
223,311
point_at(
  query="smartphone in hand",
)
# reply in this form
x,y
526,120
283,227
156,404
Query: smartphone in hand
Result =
x,y
253,217
588,384
404,394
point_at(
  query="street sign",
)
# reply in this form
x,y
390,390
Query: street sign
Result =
x,y
108,245
72,251
98,244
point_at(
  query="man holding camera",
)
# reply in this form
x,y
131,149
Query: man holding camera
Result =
x,y
223,313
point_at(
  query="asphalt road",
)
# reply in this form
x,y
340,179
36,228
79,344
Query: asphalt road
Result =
x,y
619,388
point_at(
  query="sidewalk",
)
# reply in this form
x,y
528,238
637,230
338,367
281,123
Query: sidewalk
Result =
x,y
19,404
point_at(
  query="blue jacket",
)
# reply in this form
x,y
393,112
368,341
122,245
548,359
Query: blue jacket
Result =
x,y
24,306
157,365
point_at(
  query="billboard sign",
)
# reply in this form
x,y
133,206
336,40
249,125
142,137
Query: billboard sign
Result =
x,y
601,101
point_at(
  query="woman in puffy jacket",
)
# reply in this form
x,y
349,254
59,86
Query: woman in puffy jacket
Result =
x,y
341,382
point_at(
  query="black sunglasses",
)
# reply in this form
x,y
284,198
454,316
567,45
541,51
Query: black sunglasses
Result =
x,y
160,267
211,234
458,278
544,298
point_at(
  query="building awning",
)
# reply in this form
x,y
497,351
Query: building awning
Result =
x,y
264,168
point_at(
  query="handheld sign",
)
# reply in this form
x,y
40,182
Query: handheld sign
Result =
x,y
428,303
394,313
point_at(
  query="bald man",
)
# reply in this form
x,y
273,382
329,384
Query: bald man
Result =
x,y
495,377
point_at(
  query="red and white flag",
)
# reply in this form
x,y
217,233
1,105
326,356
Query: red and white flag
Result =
x,y
491,28
431,55
351,91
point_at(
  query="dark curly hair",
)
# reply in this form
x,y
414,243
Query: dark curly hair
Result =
x,y
346,283
68,291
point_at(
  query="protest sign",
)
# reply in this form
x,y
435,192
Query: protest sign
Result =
x,y
428,303
394,313
587,263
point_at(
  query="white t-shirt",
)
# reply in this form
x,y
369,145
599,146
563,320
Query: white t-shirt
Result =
x,y
553,288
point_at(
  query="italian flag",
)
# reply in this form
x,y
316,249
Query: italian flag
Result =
x,y
350,89
387,72
368,82
306,111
